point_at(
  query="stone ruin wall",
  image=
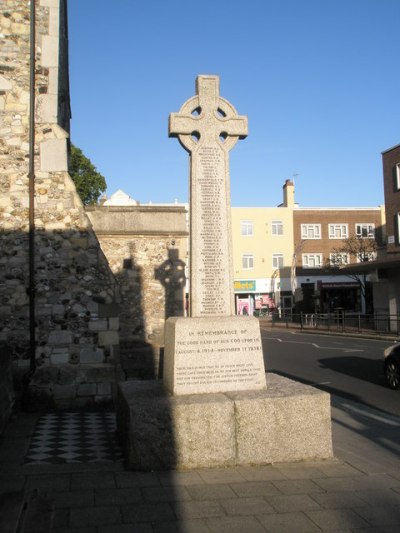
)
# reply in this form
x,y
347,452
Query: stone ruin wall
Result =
x,y
76,311
146,248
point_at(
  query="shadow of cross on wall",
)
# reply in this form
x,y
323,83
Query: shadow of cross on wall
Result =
x,y
171,275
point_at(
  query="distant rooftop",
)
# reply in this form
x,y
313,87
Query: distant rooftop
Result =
x,y
119,198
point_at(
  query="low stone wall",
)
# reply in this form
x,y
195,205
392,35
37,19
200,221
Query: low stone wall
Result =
x,y
6,387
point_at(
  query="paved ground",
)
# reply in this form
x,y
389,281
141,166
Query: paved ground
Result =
x,y
358,490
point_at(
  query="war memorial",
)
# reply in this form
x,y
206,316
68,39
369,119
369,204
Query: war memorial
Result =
x,y
215,405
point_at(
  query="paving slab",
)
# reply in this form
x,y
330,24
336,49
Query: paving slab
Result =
x,y
289,503
338,500
226,475
381,515
179,526
284,523
124,528
95,516
147,512
176,479
198,509
137,479
334,519
246,506
255,488
235,524
165,494
210,492
297,486
118,496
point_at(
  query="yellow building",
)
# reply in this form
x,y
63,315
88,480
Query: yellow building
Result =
x,y
262,255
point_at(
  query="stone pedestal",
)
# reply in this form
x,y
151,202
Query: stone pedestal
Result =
x,y
288,421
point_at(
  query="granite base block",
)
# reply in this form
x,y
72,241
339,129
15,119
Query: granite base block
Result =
x,y
162,432
286,422
289,422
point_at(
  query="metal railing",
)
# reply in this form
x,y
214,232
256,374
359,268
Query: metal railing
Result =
x,y
341,321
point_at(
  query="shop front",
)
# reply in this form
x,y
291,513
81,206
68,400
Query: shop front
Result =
x,y
340,295
253,297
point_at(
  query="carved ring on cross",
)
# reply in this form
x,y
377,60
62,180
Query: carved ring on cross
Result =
x,y
224,112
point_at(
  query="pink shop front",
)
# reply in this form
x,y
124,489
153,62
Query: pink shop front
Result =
x,y
249,301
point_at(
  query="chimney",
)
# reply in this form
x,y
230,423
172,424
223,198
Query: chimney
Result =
x,y
288,194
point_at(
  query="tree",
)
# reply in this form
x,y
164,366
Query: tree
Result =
x,y
89,183
362,249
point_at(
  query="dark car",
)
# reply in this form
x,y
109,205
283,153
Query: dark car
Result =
x,y
392,366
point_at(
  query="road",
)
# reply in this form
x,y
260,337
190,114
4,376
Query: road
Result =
x,y
347,367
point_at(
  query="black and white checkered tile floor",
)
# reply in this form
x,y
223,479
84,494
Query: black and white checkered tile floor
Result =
x,y
61,438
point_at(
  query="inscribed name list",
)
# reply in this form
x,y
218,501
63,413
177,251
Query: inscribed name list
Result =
x,y
213,275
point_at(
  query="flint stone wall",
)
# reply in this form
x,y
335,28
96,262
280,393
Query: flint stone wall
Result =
x,y
75,291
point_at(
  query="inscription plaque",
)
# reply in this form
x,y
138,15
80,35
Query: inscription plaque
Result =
x,y
213,356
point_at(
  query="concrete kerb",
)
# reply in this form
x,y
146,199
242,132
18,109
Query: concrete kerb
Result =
x,y
266,324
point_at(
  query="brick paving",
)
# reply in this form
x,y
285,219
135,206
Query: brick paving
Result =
x,y
358,490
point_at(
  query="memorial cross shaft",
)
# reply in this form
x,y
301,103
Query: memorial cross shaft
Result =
x,y
208,127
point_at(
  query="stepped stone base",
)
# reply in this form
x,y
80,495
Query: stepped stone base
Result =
x,y
286,422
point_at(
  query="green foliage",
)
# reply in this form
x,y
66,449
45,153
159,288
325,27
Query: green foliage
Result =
x,y
89,183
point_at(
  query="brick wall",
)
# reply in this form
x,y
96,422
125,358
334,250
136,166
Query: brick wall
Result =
x,y
324,217
390,159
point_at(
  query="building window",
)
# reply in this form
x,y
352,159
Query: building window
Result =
x,y
247,262
246,228
397,177
397,227
363,257
365,230
277,261
277,227
339,258
312,260
311,231
338,231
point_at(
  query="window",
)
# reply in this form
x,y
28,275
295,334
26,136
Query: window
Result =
x,y
397,177
397,228
277,261
362,257
311,231
338,231
277,227
312,260
338,259
246,228
247,262
365,230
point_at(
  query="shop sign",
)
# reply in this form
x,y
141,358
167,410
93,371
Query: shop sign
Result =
x,y
245,285
339,285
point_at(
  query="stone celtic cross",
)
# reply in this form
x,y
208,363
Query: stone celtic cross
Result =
x,y
208,127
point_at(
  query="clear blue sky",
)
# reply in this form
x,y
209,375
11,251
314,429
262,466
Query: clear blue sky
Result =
x,y
319,81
